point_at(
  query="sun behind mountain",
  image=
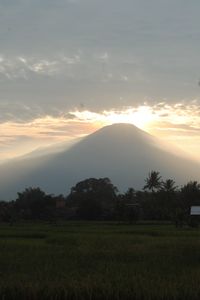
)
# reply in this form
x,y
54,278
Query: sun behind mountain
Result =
x,y
122,152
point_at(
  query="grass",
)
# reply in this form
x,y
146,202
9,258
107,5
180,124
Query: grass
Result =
x,y
91,260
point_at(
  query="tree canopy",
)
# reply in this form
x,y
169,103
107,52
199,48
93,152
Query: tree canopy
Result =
x,y
153,181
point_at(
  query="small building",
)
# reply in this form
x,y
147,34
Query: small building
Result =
x,y
194,220
195,211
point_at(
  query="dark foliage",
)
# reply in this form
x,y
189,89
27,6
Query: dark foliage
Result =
x,y
94,198
98,199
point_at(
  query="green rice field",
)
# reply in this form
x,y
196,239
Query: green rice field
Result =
x,y
91,260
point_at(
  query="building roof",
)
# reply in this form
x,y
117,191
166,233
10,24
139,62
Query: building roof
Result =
x,y
195,211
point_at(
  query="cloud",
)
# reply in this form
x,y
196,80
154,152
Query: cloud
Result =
x,y
178,123
19,138
182,114
22,67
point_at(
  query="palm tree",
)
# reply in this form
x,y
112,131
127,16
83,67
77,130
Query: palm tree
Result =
x,y
169,186
153,181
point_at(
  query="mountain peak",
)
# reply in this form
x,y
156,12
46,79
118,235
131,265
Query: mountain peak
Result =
x,y
121,152
121,132
122,126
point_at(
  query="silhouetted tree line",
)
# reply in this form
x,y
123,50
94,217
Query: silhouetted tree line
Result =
x,y
99,199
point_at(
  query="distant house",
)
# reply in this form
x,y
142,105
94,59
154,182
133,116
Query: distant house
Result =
x,y
194,216
195,211
60,203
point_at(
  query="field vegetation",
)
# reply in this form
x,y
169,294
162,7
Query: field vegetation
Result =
x,y
99,260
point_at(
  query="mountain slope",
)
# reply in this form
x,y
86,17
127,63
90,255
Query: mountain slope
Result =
x,y
121,152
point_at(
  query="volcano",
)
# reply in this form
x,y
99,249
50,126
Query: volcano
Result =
x,y
122,152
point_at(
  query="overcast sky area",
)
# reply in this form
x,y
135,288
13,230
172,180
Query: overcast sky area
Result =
x,y
66,63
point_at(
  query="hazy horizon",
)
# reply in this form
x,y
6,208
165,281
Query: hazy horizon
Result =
x,y
62,146
121,152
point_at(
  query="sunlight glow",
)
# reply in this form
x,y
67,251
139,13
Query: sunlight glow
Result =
x,y
140,117
178,123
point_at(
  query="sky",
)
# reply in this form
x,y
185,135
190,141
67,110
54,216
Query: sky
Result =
x,y
69,67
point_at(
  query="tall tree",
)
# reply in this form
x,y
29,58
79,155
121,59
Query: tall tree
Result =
x,y
168,186
167,199
190,194
153,181
31,202
93,197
